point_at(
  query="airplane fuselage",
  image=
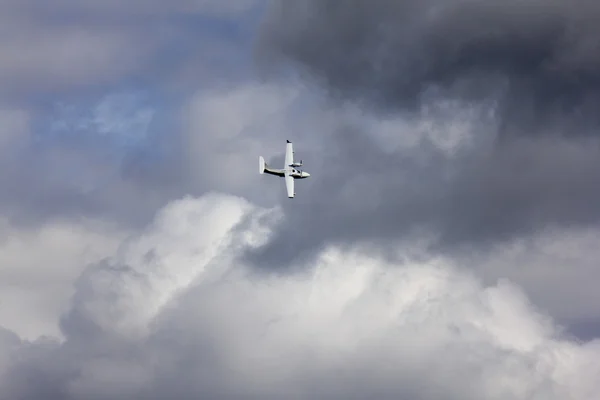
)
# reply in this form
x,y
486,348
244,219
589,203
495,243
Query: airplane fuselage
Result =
x,y
295,173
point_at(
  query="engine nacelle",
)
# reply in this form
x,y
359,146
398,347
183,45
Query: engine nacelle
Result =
x,y
297,164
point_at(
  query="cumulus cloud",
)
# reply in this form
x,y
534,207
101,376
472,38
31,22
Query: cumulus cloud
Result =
x,y
469,125
554,268
177,308
39,266
175,312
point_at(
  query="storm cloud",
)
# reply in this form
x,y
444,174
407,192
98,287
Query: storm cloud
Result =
x,y
143,256
524,75
539,58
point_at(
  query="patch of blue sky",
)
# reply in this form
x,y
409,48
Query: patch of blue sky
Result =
x,y
116,130
124,117
137,116
121,120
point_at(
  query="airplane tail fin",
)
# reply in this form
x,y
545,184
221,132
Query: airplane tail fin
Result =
x,y
261,165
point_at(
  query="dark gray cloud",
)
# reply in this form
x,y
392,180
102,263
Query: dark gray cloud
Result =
x,y
534,164
478,199
540,55
173,312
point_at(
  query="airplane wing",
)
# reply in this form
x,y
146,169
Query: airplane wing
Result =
x,y
289,185
289,154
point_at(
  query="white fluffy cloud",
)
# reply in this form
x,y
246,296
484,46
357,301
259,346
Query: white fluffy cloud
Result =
x,y
39,266
558,270
227,129
174,312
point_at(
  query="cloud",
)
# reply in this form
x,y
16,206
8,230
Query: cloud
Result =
x,y
142,7
175,312
73,46
409,186
14,129
90,98
537,57
554,269
43,58
508,83
367,283
226,129
119,120
40,264
53,180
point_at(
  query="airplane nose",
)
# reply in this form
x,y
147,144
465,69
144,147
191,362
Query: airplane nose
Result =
x,y
307,174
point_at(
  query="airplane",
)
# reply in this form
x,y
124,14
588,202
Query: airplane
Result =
x,y
290,170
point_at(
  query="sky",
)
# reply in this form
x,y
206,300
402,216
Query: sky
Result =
x,y
444,247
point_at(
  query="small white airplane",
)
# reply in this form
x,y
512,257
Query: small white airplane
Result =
x,y
289,171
